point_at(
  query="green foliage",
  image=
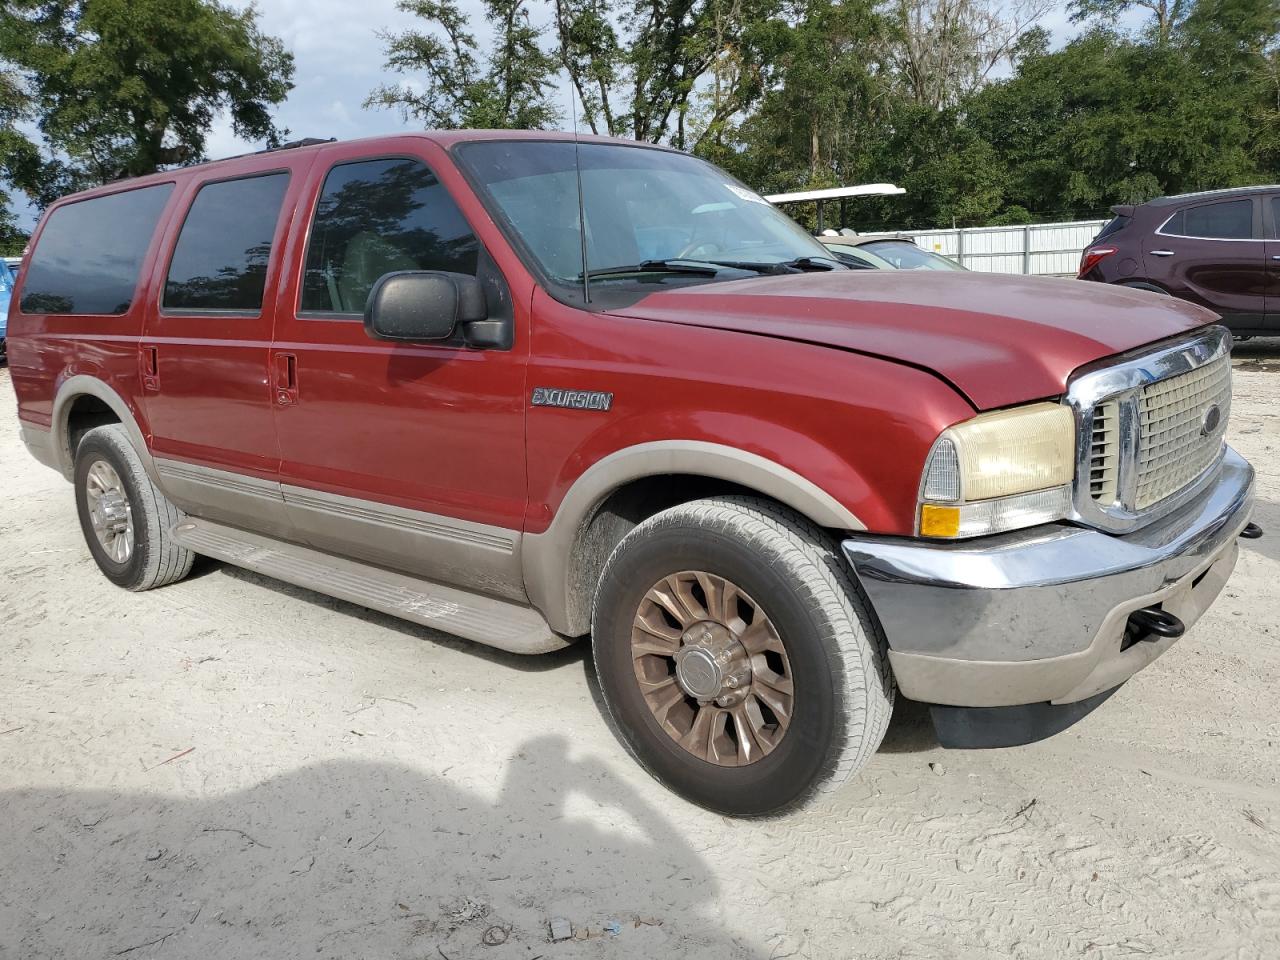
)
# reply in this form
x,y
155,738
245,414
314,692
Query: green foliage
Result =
x,y
12,237
1190,102
510,89
125,87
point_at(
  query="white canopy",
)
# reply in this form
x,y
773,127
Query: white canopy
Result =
x,y
835,193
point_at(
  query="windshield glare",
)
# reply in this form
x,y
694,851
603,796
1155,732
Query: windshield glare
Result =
x,y
639,204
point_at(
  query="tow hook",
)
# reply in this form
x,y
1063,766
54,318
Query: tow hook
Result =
x,y
1150,623
1251,531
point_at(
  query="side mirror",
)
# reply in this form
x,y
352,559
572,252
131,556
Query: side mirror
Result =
x,y
421,305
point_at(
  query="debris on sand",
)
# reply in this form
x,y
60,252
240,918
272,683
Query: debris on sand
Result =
x,y
466,910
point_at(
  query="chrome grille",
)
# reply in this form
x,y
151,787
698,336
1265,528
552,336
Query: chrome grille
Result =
x,y
1174,447
1150,430
1104,453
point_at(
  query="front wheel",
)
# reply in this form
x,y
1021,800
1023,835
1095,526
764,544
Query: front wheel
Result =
x,y
737,657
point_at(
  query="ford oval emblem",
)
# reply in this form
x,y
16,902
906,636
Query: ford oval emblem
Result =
x,y
1212,420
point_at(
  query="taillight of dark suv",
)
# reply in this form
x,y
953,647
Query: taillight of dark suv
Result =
x,y
1092,256
1097,251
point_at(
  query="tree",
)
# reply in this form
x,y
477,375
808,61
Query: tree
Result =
x,y
823,100
942,51
1166,14
510,89
1113,119
637,66
126,87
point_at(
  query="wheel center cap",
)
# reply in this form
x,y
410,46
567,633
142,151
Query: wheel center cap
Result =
x,y
114,508
698,673
711,664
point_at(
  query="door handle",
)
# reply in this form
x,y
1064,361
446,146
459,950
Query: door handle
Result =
x,y
286,379
1162,253
149,366
1276,257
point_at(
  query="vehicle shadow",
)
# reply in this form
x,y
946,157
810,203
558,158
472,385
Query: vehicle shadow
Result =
x,y
346,859
523,662
910,730
1256,352
1266,514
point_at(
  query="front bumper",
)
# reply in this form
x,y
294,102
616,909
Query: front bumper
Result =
x,y
1039,615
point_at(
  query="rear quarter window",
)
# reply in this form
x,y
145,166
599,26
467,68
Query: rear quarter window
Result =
x,y
1225,220
90,253
1113,226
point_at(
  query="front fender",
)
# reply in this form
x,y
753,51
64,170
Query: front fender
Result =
x,y
548,560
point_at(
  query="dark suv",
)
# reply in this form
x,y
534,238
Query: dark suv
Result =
x,y
1220,249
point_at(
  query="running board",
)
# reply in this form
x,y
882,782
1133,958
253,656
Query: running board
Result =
x,y
497,623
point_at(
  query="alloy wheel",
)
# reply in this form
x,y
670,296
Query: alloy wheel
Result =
x,y
109,511
712,668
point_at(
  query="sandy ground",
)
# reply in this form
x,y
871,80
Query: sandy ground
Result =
x,y
231,767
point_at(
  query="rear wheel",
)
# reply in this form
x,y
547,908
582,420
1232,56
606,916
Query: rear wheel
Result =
x,y
126,520
1142,285
736,656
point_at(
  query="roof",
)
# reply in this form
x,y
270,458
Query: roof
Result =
x,y
858,239
1183,197
445,138
835,193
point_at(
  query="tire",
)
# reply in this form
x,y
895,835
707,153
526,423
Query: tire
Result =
x,y
790,573
1149,287
138,553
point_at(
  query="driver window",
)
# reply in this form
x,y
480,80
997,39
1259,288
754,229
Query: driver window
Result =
x,y
375,217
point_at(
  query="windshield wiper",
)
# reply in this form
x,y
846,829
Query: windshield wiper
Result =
x,y
697,267
785,266
710,268
814,263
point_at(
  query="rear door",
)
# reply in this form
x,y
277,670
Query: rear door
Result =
x,y
1273,264
408,455
1211,253
204,353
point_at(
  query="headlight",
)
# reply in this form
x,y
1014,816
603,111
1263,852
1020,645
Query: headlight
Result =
x,y
999,471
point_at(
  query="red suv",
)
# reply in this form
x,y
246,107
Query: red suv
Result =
x,y
526,389
1219,249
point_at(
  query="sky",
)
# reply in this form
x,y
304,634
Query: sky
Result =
x,y
339,60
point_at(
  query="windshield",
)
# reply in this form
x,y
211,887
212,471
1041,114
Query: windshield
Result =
x,y
905,255
641,207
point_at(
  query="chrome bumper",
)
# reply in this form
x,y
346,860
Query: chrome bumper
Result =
x,y
1039,615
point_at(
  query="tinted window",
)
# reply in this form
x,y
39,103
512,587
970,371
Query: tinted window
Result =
x,y
1115,225
90,252
1228,220
220,262
1275,217
377,217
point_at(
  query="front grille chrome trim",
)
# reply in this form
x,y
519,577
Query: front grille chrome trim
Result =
x,y
1120,387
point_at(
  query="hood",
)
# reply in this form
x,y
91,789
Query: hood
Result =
x,y
998,339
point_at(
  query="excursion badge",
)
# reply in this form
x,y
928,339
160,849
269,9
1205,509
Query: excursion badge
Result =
x,y
571,399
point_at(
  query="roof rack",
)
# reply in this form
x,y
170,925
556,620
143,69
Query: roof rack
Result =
x,y
304,142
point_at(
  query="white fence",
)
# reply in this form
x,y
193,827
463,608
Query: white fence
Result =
x,y
1044,249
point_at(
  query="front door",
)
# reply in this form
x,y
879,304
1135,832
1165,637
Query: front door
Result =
x,y
203,356
1212,254
409,456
